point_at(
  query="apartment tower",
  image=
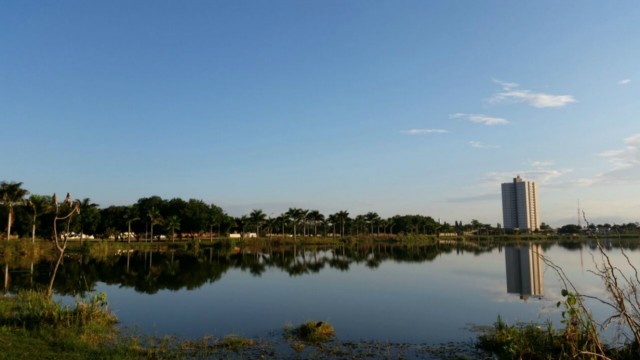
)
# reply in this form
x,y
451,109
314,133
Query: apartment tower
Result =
x,y
520,205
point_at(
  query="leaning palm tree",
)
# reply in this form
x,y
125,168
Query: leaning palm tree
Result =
x,y
172,223
40,205
11,194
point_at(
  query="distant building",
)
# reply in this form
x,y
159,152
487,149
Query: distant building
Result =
x,y
520,205
524,270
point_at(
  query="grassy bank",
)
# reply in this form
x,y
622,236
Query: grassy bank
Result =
x,y
34,326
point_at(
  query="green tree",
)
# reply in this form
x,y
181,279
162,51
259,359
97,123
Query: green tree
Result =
x,y
11,194
89,217
39,205
359,223
215,217
342,217
271,223
570,229
315,218
257,218
333,221
154,219
295,215
372,219
196,216
172,223
130,216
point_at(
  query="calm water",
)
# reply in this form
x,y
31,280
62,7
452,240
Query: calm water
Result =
x,y
422,294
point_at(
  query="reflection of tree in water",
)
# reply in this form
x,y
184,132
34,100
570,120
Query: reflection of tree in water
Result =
x,y
150,272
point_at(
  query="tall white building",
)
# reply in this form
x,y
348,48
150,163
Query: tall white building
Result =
x,y
520,205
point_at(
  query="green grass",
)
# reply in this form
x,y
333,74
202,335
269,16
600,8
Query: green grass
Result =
x,y
313,332
534,341
32,324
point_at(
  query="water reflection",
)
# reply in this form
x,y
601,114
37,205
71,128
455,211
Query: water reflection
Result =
x,y
174,269
524,270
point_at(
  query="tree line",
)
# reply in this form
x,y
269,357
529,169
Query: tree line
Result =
x,y
150,217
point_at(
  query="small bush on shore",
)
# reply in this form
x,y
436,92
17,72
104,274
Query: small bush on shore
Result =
x,y
314,332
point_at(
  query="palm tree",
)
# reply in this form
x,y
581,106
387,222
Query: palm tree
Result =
x,y
172,223
257,218
342,217
154,218
315,217
89,216
40,205
333,220
130,216
372,218
282,221
359,222
11,194
243,221
304,217
295,215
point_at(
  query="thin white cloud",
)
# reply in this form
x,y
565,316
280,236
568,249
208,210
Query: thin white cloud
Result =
x,y
506,85
479,145
542,164
625,167
512,92
542,176
424,131
629,156
480,118
624,82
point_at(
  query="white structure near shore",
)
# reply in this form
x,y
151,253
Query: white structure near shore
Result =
x,y
520,205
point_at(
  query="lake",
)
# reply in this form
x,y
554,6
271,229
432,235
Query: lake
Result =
x,y
416,294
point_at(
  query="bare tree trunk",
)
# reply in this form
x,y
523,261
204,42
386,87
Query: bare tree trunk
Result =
x,y
9,226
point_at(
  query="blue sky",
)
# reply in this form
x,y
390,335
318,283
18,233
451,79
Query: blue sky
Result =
x,y
403,107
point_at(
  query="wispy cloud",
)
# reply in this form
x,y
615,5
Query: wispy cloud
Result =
x,y
542,176
624,170
624,82
625,164
480,118
629,156
423,131
479,145
541,164
512,92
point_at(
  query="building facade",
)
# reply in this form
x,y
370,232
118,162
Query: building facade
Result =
x,y
520,205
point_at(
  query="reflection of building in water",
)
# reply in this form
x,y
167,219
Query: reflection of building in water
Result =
x,y
524,270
